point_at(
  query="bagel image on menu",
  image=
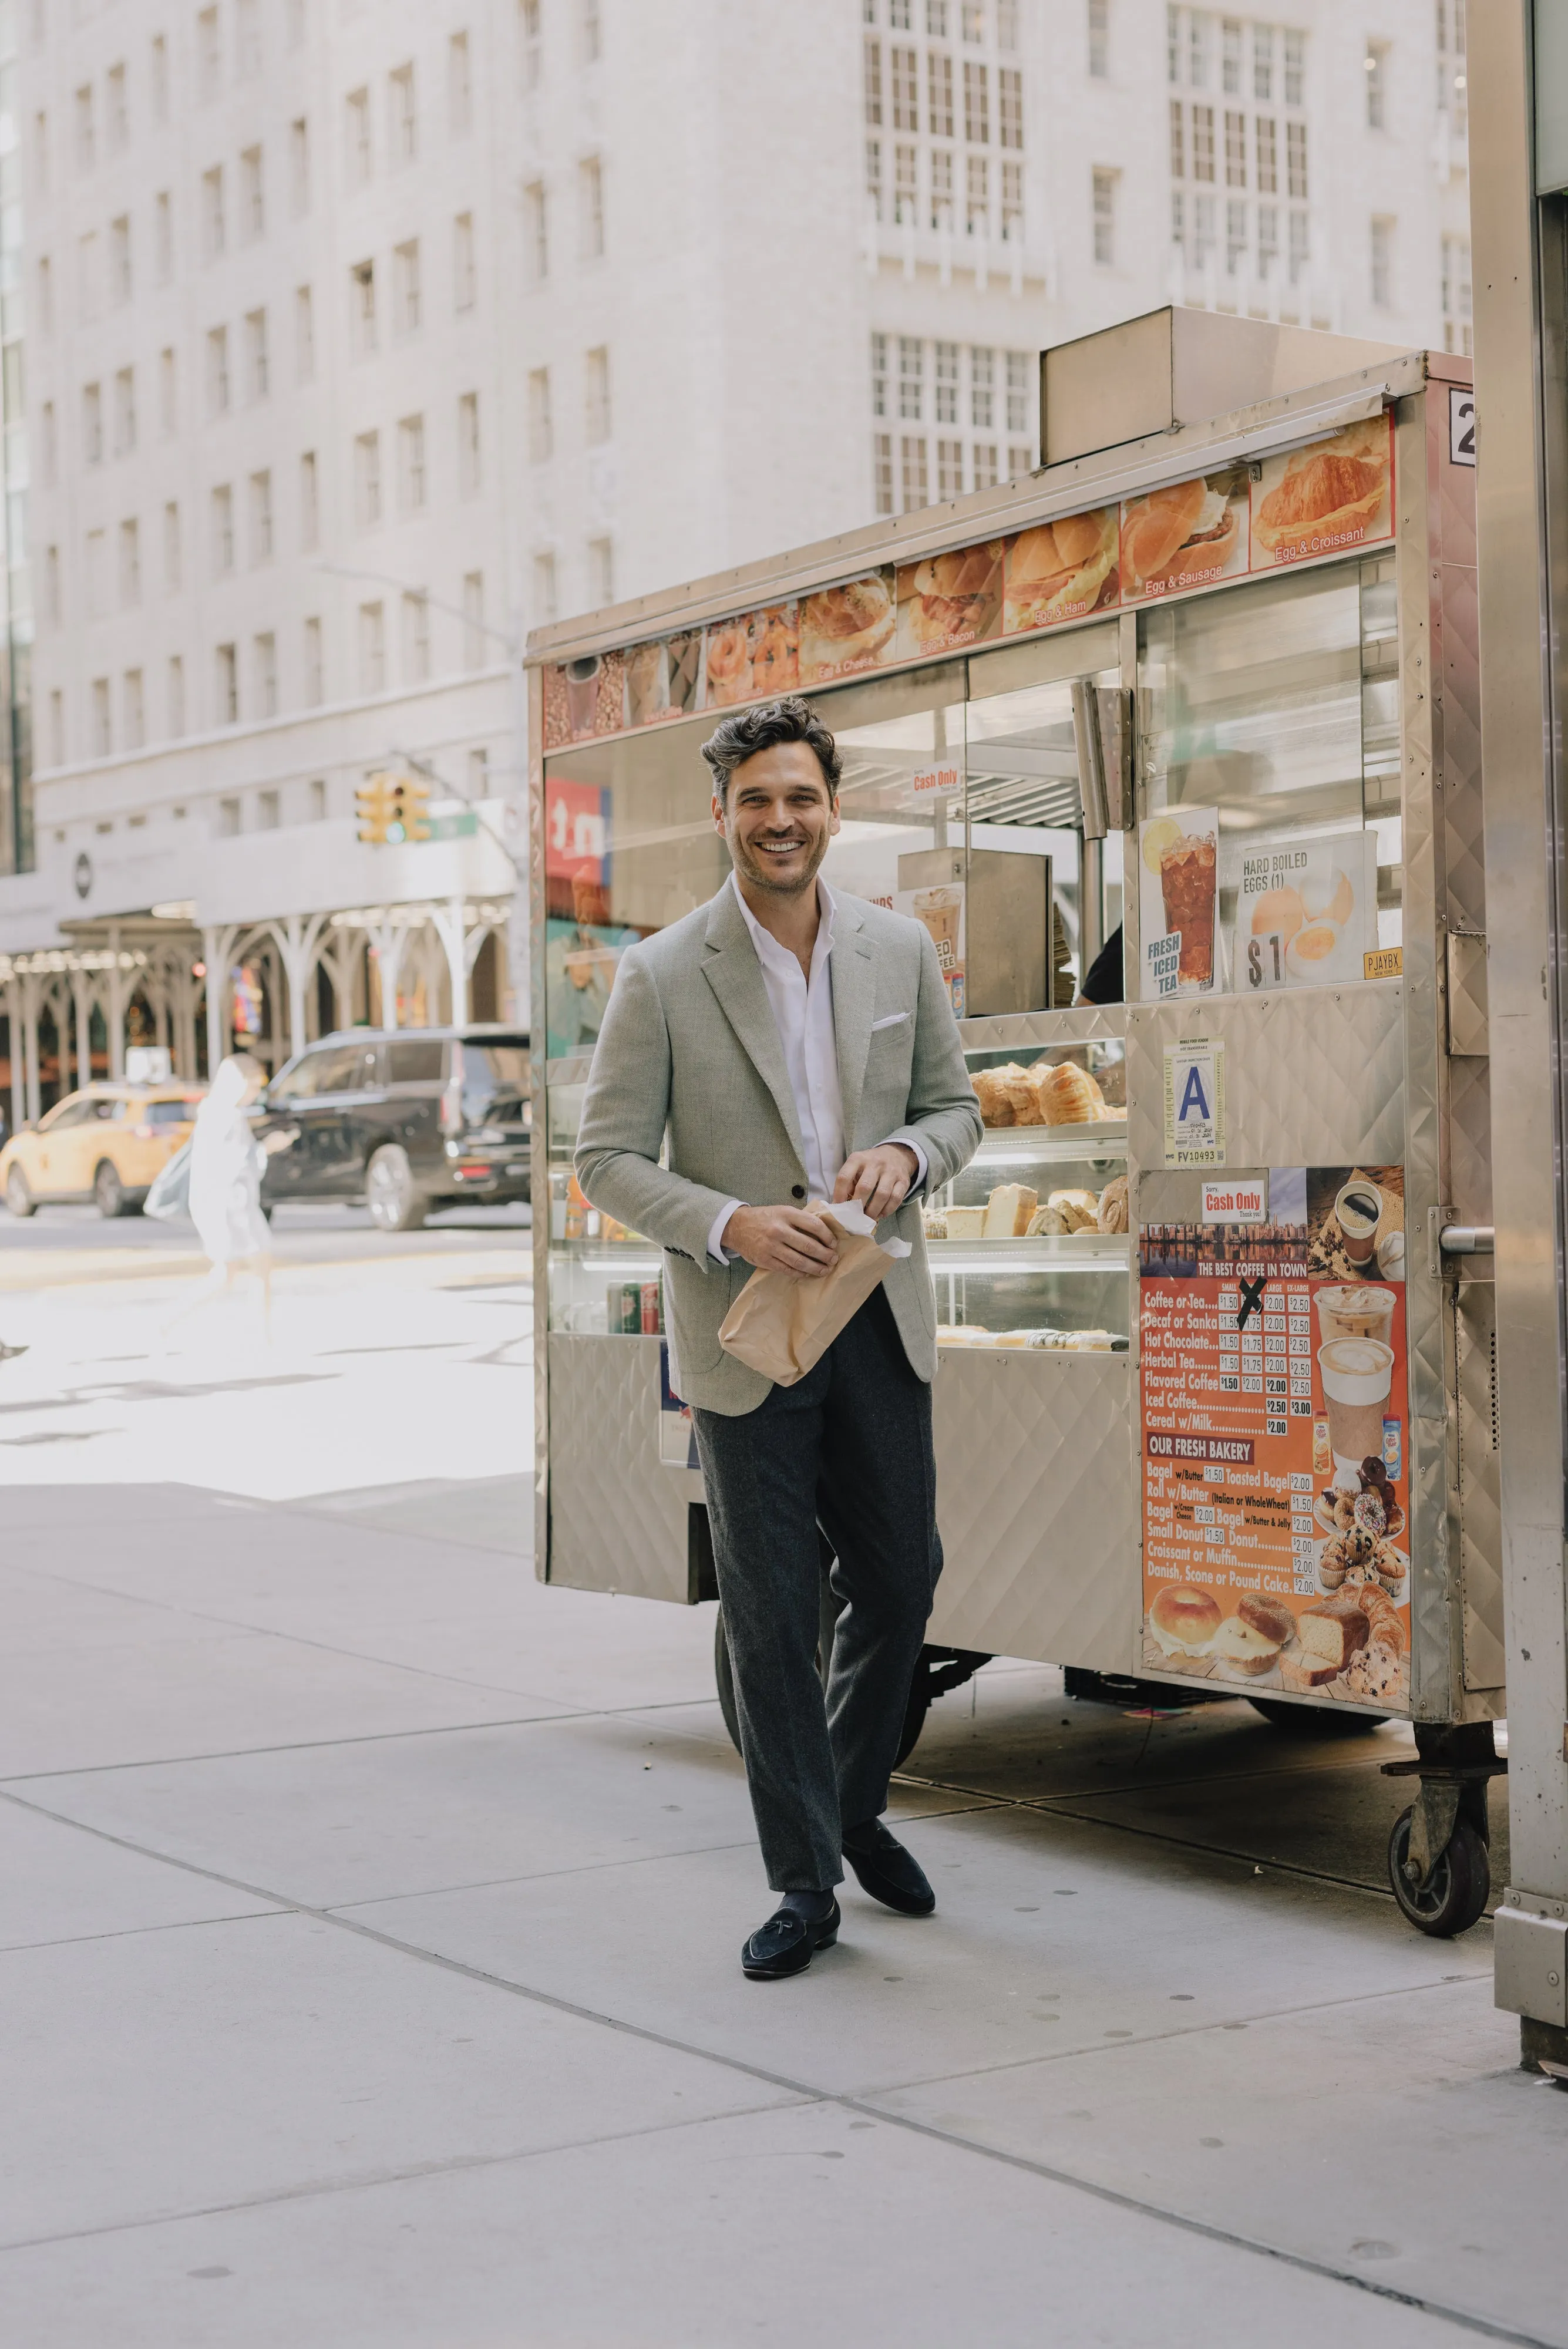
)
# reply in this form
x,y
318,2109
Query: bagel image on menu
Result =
x,y
1334,494
1187,535
729,663
950,599
1061,570
843,629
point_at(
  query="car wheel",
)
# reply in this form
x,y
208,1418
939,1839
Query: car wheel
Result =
x,y
390,1194
108,1191
19,1200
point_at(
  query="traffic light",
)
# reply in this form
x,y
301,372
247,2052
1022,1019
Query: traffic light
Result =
x,y
410,817
376,804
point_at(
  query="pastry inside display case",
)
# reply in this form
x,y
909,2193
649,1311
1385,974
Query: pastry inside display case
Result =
x,y
1028,1246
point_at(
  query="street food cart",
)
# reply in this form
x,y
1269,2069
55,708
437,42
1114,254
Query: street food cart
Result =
x,y
1216,1409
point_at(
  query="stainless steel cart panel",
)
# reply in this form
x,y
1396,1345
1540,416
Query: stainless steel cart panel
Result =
x,y
618,1515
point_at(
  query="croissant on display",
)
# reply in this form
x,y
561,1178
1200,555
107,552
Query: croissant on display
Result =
x,y
1079,1210
1006,1096
1113,1211
1065,1094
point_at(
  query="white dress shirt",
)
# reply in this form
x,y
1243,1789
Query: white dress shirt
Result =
x,y
803,1012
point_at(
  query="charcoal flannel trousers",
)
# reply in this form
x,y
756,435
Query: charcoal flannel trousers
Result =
x,y
847,1449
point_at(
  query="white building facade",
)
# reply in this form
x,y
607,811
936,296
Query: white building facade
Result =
x,y
361,336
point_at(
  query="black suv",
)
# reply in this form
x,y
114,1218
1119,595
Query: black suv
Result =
x,y
405,1119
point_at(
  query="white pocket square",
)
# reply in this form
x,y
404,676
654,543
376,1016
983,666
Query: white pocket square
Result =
x,y
892,1021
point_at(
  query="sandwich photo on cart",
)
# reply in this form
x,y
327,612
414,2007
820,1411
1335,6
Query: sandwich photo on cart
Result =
x,y
1214,1413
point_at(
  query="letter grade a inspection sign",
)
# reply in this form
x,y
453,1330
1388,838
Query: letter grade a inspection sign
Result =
x,y
1195,1104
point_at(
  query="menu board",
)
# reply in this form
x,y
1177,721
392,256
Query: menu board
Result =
x,y
1274,1428
1334,494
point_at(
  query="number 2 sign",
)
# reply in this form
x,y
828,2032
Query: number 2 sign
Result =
x,y
1461,426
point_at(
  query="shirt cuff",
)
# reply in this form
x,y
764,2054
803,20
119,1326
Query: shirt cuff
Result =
x,y
719,1253
922,1165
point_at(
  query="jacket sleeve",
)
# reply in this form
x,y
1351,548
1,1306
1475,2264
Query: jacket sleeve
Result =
x,y
944,1115
625,1112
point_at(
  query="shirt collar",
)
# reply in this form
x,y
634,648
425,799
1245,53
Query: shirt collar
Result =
x,y
765,941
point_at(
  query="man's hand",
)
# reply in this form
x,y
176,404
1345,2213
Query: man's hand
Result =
x,y
783,1240
879,1179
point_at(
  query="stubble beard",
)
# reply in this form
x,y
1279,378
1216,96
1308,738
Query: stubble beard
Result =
x,y
758,872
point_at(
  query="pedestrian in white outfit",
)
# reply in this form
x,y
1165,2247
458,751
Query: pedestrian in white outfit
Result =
x,y
226,1163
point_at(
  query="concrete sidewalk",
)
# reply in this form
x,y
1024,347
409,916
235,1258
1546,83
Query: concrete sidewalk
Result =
x,y
368,1970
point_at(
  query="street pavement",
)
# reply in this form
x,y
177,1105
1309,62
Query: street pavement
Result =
x,y
368,1953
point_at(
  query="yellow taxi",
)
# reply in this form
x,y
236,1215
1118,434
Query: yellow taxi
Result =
x,y
105,1145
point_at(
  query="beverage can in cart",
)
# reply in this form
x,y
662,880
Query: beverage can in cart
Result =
x,y
652,1304
623,1300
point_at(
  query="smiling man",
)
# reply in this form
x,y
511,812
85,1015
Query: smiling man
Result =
x,y
789,1045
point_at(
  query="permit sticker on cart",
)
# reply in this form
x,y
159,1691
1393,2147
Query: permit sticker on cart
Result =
x,y
1195,1104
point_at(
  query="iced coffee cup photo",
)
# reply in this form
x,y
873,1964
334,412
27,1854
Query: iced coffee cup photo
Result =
x,y
1347,1310
1358,1211
1357,1374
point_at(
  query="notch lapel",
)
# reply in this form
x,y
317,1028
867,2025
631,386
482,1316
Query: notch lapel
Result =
x,y
733,971
854,1001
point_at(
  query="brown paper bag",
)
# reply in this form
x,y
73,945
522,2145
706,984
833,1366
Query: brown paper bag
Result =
x,y
782,1324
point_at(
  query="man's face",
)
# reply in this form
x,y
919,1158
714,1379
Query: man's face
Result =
x,y
779,818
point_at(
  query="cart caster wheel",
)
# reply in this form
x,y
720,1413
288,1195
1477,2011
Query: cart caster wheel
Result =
x,y
1457,1892
915,1713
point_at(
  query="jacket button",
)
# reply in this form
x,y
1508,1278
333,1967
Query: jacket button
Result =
x,y
797,1190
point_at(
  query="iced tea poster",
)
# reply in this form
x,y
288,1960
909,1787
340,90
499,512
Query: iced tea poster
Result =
x,y
1274,1426
1179,898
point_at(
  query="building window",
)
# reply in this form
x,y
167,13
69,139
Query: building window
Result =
x,y
407,299
1020,369
945,381
269,804
223,511
528,13
1012,203
368,480
86,134
597,395
905,89
982,388
591,32
536,220
404,128
411,463
372,648
168,393
257,365
1235,149
601,572
950,471
102,724
1458,328
214,231
362,307
1203,142
175,697
261,518
304,335
911,376
248,40
133,703
985,462
1296,158
1452,73
356,129
163,237
977,209
119,262
46,296
1099,40
218,389
1231,57
469,469
1295,68
130,566
974,20
1017,463
88,287
1104,208
159,78
1235,235
1376,65
252,194
1265,146
878,374
124,412
228,684
937,19
874,176
416,639
317,798
872,82
458,87
314,688
51,588
299,166
263,666
905,185
1382,264
1009,107
938,94
228,813
56,729
309,503
463,270
473,630
976,103
49,452
172,562
1300,246
1268,240
540,431
1177,139
882,471
912,459
545,586
92,424
591,207
1263,63
943,187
